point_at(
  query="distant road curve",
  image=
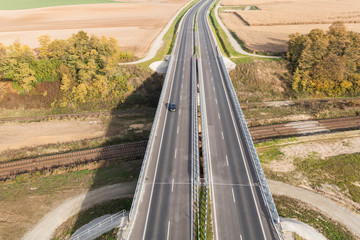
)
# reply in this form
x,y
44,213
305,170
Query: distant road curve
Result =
x,y
44,229
158,42
327,206
232,40
51,221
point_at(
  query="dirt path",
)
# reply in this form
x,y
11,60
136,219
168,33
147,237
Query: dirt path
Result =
x,y
232,40
51,221
327,206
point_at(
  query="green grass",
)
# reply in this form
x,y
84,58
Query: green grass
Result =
x,y
28,4
270,154
295,209
46,184
220,35
342,171
202,213
224,42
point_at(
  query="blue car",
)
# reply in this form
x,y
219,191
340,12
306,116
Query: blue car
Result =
x,y
172,107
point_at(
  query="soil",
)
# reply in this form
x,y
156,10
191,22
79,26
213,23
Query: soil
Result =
x,y
28,135
268,29
322,146
134,24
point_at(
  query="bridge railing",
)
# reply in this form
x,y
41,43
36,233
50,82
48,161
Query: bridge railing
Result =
x,y
265,191
100,227
195,173
204,136
149,148
154,128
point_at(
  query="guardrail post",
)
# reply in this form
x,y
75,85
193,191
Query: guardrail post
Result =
x,y
264,188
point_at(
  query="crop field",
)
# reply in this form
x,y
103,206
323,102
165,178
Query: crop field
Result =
x,y
27,4
134,23
268,28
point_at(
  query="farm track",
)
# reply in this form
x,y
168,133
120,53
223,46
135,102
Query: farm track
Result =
x,y
79,157
258,134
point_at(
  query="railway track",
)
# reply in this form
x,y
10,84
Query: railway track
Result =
x,y
304,128
260,133
106,153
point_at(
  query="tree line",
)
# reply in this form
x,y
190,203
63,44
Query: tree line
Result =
x,y
87,68
325,63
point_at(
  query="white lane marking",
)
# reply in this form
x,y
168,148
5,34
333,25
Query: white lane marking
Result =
x,y
219,115
214,89
227,161
177,132
168,233
172,185
222,134
240,237
216,100
242,154
157,159
210,70
182,86
183,76
175,152
179,111
232,190
210,171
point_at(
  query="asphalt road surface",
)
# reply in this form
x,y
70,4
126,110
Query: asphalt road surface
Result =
x,y
238,209
165,207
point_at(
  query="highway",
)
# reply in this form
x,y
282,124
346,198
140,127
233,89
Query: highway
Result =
x,y
164,210
238,208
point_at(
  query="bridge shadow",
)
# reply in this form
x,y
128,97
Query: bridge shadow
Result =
x,y
130,122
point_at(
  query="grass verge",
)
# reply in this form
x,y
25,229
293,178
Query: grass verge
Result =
x,y
169,37
49,183
220,35
337,176
201,230
342,171
295,209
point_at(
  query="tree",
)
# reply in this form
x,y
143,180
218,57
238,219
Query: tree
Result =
x,y
25,77
325,63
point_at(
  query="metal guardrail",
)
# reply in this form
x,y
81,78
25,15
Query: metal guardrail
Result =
x,y
195,175
265,191
204,145
149,148
93,232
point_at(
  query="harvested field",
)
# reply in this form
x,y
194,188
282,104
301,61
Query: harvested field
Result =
x,y
16,136
134,24
268,29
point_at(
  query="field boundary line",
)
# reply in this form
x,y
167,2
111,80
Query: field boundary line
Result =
x,y
232,40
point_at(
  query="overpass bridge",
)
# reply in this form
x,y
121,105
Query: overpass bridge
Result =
x,y
205,144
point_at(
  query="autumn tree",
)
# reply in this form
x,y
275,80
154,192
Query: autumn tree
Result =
x,y
325,63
